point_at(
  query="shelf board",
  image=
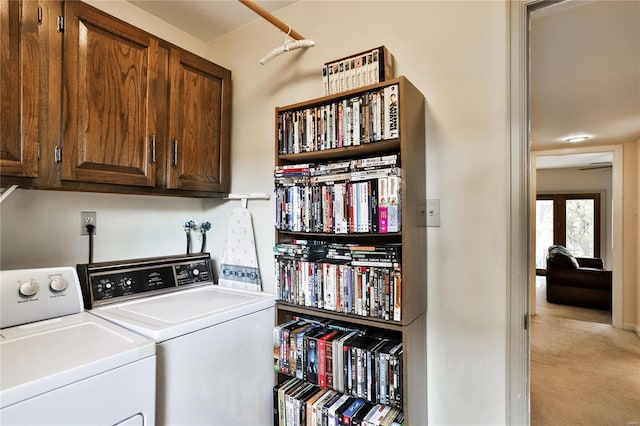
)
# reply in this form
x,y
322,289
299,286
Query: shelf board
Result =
x,y
394,236
379,147
338,316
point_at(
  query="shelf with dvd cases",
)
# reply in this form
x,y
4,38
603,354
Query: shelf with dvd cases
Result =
x,y
337,256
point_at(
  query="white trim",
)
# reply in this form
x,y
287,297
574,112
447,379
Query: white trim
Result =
x,y
517,404
6,192
533,190
631,327
617,311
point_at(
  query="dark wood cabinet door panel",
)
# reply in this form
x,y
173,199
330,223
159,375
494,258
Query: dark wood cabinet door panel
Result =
x,y
198,157
19,82
109,117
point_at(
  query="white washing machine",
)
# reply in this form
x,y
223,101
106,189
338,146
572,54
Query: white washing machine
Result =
x,y
62,366
214,345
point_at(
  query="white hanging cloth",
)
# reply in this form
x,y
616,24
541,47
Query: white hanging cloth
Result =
x,y
239,267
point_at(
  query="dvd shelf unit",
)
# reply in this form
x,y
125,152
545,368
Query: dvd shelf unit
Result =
x,y
350,255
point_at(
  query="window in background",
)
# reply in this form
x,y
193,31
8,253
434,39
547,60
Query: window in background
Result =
x,y
580,227
571,220
544,231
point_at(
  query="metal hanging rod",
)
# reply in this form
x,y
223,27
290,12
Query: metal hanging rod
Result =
x,y
253,196
245,197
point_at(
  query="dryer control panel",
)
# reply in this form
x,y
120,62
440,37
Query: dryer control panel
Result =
x,y
30,295
110,282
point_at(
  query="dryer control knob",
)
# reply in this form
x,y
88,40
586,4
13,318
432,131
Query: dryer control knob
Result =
x,y
28,289
195,272
58,284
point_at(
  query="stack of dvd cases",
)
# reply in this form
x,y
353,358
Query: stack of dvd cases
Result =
x,y
339,374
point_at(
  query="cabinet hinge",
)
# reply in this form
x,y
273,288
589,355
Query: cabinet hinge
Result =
x,y
526,322
58,154
153,148
60,24
38,151
39,15
175,152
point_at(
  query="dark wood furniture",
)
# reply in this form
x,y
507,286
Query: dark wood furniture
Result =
x,y
577,281
411,146
20,68
115,108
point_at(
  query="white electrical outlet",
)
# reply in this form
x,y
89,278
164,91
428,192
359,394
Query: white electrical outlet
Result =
x,y
88,218
433,212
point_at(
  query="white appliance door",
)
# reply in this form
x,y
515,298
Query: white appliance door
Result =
x,y
218,375
104,399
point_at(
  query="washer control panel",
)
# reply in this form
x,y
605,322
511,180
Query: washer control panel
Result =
x,y
29,295
110,282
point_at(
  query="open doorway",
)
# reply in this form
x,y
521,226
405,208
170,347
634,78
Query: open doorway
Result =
x,y
580,176
571,97
582,87
576,95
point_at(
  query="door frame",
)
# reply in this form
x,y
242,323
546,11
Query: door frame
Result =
x,y
520,263
616,221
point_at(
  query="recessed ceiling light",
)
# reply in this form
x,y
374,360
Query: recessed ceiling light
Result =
x,y
577,138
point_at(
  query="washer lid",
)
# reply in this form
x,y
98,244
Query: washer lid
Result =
x,y
46,355
170,315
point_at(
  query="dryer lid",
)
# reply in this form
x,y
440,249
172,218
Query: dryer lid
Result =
x,y
46,355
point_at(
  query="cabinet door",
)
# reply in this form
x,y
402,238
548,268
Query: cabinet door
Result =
x,y
19,76
109,113
199,124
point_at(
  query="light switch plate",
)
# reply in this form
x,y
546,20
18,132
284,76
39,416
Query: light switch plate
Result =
x,y
433,212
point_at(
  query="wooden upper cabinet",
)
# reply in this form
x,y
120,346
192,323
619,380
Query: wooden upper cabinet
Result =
x,y
200,99
110,116
129,112
19,85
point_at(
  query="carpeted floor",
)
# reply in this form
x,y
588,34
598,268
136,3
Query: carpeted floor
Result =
x,y
583,371
565,311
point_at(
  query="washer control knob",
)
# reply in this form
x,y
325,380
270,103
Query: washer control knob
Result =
x,y
58,284
28,289
195,272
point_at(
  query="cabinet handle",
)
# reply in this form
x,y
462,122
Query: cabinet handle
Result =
x,y
175,152
153,148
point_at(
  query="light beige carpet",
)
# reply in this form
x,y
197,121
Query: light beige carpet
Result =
x,y
583,372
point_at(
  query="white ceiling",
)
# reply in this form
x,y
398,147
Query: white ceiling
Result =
x,y
585,56
206,20
587,160
585,72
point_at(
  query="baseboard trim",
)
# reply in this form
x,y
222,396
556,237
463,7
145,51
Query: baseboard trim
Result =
x,y
632,327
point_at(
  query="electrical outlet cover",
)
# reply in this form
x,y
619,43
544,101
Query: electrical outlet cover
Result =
x,y
88,218
433,212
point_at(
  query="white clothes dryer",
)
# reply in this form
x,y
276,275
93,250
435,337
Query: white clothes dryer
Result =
x,y
62,366
214,345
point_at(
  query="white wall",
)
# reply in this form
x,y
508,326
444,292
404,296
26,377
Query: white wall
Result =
x,y
637,329
456,54
561,181
42,228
